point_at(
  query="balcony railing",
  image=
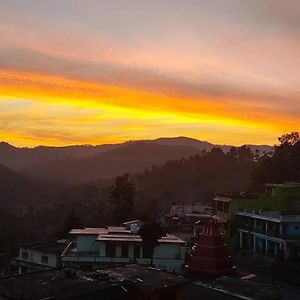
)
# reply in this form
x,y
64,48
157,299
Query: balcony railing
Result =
x,y
271,234
96,258
290,236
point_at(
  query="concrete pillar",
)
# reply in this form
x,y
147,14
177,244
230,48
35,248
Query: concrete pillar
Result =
x,y
241,240
131,252
286,250
141,251
118,251
280,230
266,239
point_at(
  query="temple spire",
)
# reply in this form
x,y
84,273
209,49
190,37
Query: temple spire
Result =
x,y
210,255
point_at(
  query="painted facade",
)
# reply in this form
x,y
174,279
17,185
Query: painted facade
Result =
x,y
39,256
281,197
268,232
113,245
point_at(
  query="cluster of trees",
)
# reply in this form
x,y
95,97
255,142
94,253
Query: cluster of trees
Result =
x,y
195,178
282,165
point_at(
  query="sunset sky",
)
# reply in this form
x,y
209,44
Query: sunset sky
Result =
x,y
98,71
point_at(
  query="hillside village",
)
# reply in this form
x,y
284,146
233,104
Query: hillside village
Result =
x,y
197,244
230,245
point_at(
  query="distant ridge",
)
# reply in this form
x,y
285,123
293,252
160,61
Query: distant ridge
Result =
x,y
77,163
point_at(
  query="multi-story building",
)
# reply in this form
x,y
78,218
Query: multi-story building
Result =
x,y
280,197
268,232
92,247
183,210
39,256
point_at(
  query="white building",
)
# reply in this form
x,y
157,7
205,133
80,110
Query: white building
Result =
x,y
183,210
39,256
114,245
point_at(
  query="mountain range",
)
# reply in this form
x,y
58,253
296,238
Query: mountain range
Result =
x,y
82,163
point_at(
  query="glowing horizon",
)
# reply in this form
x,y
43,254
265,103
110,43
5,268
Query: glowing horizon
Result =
x,y
81,72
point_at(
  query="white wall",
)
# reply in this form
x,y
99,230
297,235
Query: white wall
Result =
x,y
34,256
168,256
87,243
168,251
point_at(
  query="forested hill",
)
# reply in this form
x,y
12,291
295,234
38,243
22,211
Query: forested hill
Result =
x,y
195,178
17,190
21,158
134,157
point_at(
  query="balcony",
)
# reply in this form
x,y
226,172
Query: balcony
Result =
x,y
94,259
260,230
290,236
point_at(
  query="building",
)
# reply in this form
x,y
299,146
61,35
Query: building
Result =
x,y
93,247
188,214
268,232
39,256
284,196
182,210
280,197
227,204
210,255
118,283
185,221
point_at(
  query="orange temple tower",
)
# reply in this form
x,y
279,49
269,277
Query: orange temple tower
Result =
x,y
210,255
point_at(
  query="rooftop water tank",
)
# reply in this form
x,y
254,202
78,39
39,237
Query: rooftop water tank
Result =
x,y
134,228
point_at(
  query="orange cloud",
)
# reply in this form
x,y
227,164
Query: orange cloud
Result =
x,y
65,111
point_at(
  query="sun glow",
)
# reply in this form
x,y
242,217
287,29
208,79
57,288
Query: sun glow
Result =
x,y
64,111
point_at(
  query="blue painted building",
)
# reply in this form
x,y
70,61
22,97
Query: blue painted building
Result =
x,y
268,232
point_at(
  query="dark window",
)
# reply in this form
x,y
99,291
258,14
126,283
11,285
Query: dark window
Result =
x,y
136,251
177,255
219,206
110,250
147,251
124,251
297,227
24,255
226,208
44,259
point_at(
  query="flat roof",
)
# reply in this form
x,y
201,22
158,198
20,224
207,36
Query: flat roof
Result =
x,y
121,234
274,216
284,184
169,238
56,247
119,238
100,230
222,199
88,231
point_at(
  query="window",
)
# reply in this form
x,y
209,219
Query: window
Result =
x,y
44,259
226,208
297,227
24,255
110,250
219,206
124,251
